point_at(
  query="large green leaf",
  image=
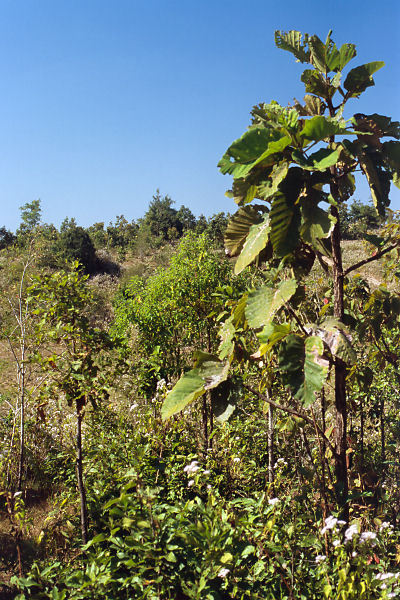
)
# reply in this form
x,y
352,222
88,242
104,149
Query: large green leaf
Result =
x,y
269,187
271,335
238,229
208,373
284,216
256,241
226,334
263,303
315,83
303,367
255,146
318,161
189,387
316,224
319,128
315,370
325,57
360,78
292,42
346,52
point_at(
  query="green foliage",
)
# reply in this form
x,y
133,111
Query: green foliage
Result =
x,y
175,307
30,218
6,238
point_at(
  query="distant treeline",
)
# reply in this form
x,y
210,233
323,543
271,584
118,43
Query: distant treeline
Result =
x,y
160,224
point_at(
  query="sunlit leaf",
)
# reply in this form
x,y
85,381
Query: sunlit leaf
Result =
x,y
255,242
208,373
238,229
292,42
303,366
319,128
263,303
318,161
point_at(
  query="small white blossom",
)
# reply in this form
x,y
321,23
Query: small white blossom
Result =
x,y
385,525
236,459
350,532
206,472
190,483
368,536
336,543
192,468
383,576
320,558
208,487
330,523
354,554
273,501
223,573
17,494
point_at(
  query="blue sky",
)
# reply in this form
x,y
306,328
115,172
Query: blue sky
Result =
x,y
103,102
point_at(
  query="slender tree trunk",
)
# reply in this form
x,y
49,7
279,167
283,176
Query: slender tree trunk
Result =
x,y
79,474
205,423
362,433
270,438
340,374
382,425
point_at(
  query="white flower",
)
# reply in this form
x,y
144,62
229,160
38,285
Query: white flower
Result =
x,y
368,536
354,554
17,494
336,543
330,523
161,384
223,573
133,406
383,576
208,487
236,459
192,468
273,501
206,472
320,558
351,532
385,525
190,483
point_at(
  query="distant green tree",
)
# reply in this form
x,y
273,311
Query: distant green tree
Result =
x,y
31,214
72,244
358,218
7,238
186,218
161,216
98,235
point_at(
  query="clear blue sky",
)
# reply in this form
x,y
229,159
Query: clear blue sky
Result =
x,y
102,102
